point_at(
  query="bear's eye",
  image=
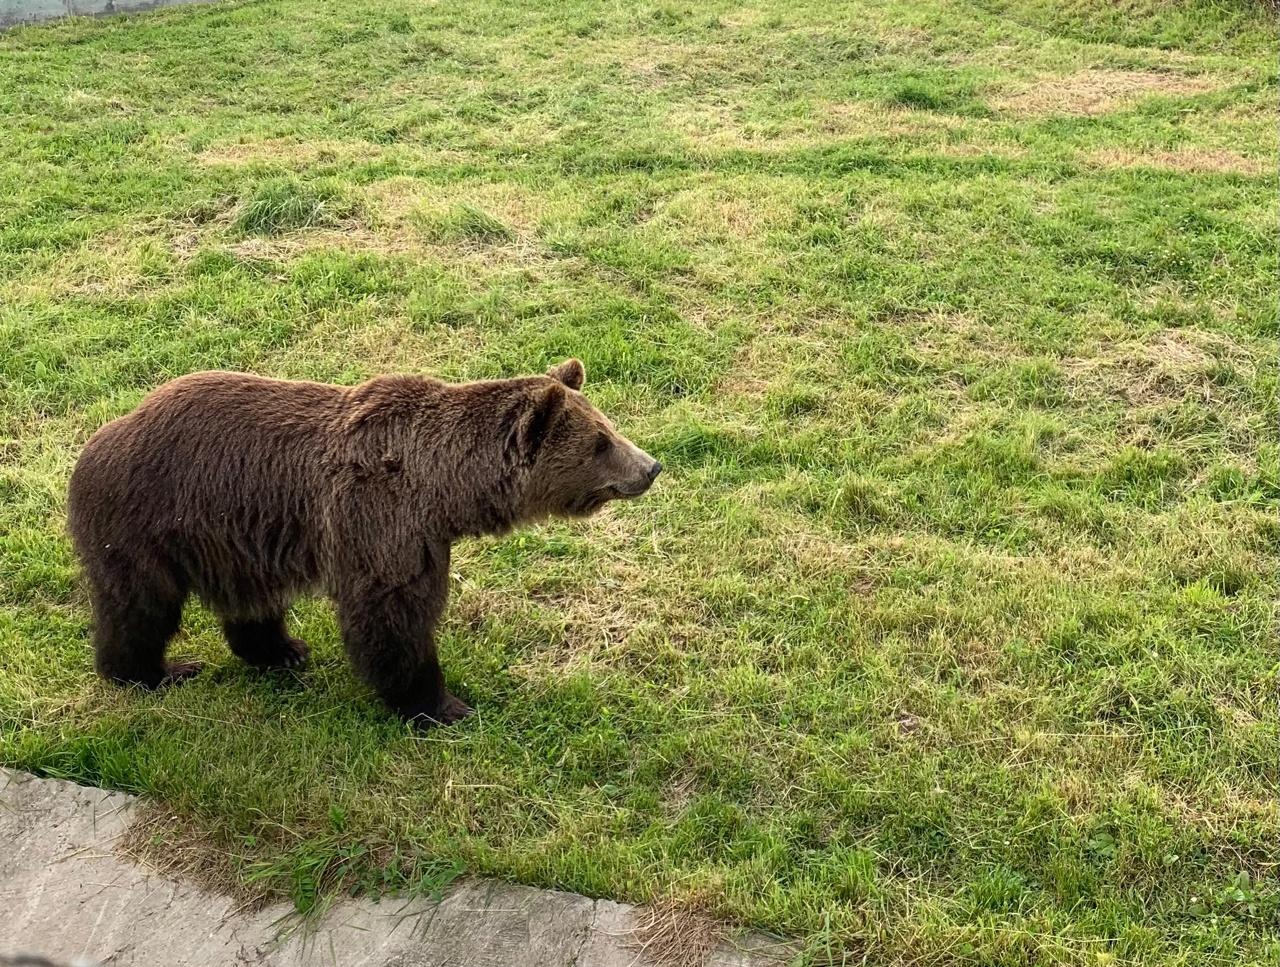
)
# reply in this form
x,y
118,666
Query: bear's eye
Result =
x,y
603,444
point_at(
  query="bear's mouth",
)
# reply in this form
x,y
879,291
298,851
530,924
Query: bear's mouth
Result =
x,y
634,491
593,500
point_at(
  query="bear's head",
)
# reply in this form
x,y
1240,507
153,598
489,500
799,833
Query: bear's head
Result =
x,y
578,462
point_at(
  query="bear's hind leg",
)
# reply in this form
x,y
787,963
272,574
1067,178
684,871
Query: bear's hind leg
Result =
x,y
265,644
132,631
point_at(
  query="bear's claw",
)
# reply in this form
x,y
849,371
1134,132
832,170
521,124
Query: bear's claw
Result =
x,y
289,653
293,654
176,672
451,709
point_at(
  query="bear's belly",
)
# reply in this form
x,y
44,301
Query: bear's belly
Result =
x,y
241,569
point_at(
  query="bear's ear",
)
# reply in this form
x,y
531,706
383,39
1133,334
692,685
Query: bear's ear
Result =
x,y
571,372
544,408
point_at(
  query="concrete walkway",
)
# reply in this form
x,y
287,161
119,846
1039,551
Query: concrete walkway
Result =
x,y
66,895
29,11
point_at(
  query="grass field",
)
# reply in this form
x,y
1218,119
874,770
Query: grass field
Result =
x,y
949,635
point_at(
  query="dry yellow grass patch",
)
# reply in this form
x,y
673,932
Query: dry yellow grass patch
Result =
x,y
86,102
394,199
653,64
109,264
389,345
954,335
1095,91
598,632
670,934
1216,818
992,568
284,153
717,126
817,555
175,848
733,212
742,17
1170,295
974,150
397,200
864,119
1186,160
1171,366
350,237
595,625
760,364
470,261
649,71
596,617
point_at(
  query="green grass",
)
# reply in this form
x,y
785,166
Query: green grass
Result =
x,y
286,204
949,635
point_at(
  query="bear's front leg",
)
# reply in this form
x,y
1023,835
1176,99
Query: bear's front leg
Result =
x,y
389,637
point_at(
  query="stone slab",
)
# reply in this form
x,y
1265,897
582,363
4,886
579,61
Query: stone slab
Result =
x,y
70,897
30,11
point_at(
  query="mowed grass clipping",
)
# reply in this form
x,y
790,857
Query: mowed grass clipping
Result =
x,y
949,636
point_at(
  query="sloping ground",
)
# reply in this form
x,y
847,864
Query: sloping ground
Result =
x,y
949,633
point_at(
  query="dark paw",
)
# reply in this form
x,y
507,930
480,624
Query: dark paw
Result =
x,y
293,654
289,653
179,671
451,710
298,653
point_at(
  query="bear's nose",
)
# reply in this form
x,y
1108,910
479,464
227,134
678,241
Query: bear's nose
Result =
x,y
655,470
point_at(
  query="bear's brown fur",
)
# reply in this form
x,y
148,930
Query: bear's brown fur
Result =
x,y
249,491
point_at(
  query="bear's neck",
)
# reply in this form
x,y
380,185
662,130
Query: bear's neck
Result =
x,y
487,496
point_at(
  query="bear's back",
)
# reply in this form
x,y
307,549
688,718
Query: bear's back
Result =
x,y
219,474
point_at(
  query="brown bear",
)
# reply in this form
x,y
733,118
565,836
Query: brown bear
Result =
x,y
249,491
